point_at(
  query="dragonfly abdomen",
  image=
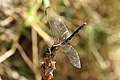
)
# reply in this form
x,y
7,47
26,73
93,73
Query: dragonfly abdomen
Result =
x,y
71,36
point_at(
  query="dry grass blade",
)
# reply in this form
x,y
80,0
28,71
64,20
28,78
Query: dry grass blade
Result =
x,y
43,34
7,55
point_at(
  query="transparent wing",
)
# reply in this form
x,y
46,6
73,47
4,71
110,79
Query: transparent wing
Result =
x,y
72,54
58,28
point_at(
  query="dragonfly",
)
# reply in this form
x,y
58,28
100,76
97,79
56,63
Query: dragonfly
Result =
x,y
61,37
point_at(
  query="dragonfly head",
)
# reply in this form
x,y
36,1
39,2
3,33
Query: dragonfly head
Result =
x,y
48,51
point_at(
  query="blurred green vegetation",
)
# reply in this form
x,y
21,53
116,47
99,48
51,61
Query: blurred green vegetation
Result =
x,y
24,36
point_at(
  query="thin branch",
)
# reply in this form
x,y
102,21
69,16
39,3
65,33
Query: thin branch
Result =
x,y
35,54
34,48
25,58
95,52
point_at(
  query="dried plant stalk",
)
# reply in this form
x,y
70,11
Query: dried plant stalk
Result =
x,y
48,66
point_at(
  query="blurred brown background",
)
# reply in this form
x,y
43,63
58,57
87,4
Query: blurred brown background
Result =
x,y
24,35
